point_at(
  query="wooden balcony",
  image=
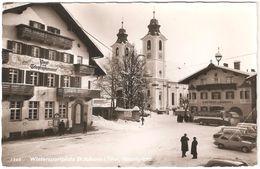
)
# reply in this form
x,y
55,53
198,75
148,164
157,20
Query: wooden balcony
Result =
x,y
84,69
17,90
77,93
217,86
30,33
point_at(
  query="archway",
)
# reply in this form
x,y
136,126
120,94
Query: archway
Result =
x,y
237,110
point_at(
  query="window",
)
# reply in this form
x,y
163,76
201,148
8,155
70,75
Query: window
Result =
x,y
126,51
204,109
34,78
160,73
190,96
49,108
193,95
160,96
234,138
160,45
180,95
215,95
173,99
244,94
203,95
53,30
216,79
79,59
202,81
148,45
229,79
17,47
33,110
148,93
230,95
66,81
117,51
149,55
77,82
15,110
51,80
66,58
37,25
63,109
13,75
52,55
35,51
224,138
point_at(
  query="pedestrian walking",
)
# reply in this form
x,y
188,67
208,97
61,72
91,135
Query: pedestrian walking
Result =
x,y
61,128
194,148
184,145
142,120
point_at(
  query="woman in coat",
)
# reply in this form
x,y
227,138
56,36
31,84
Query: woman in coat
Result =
x,y
184,145
194,148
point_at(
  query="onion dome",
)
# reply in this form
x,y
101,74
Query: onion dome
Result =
x,y
154,27
122,36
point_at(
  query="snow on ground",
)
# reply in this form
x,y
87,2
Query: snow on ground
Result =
x,y
126,144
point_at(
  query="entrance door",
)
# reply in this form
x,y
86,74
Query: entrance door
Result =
x,y
78,114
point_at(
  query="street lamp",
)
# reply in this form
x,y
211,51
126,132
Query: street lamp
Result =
x,y
218,56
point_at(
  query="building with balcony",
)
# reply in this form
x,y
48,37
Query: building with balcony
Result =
x,y
48,64
217,88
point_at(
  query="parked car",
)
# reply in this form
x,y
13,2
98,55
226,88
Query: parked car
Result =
x,y
253,125
212,121
219,162
240,131
234,142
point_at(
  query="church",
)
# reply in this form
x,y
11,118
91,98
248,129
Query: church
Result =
x,y
163,94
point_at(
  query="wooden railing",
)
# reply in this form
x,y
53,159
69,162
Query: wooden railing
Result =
x,y
42,36
9,89
77,93
84,69
217,86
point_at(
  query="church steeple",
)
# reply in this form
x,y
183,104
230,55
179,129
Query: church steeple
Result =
x,y
154,27
122,36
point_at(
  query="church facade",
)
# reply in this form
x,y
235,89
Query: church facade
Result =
x,y
163,94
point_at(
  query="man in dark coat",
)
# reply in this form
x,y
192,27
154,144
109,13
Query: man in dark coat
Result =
x,y
194,148
184,145
61,127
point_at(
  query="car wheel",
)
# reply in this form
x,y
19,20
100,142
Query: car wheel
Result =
x,y
245,149
220,146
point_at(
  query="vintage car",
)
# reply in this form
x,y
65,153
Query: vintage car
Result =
x,y
219,162
252,125
212,121
240,131
234,142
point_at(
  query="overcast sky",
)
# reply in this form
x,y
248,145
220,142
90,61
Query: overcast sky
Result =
x,y
194,30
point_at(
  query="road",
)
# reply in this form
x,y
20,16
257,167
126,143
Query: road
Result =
x,y
129,144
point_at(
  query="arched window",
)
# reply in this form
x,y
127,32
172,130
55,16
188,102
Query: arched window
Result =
x,y
160,73
148,45
160,45
117,51
126,51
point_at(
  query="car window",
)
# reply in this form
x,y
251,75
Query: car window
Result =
x,y
235,139
224,138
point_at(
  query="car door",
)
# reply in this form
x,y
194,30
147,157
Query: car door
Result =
x,y
234,142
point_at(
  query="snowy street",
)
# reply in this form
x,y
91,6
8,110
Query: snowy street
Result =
x,y
125,144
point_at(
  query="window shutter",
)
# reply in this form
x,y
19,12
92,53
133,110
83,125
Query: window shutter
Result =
x,y
72,59
24,49
56,80
57,58
46,53
28,77
72,82
41,79
62,81
5,74
45,79
31,23
79,85
10,45
20,76
42,53
42,26
62,57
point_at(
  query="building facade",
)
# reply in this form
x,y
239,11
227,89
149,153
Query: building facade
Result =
x,y
217,88
47,69
163,93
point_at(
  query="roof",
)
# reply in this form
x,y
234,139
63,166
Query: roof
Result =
x,y
66,17
99,70
210,67
251,76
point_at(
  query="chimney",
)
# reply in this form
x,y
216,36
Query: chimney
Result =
x,y
225,64
252,70
237,65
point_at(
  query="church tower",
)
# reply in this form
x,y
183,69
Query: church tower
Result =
x,y
154,50
121,47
